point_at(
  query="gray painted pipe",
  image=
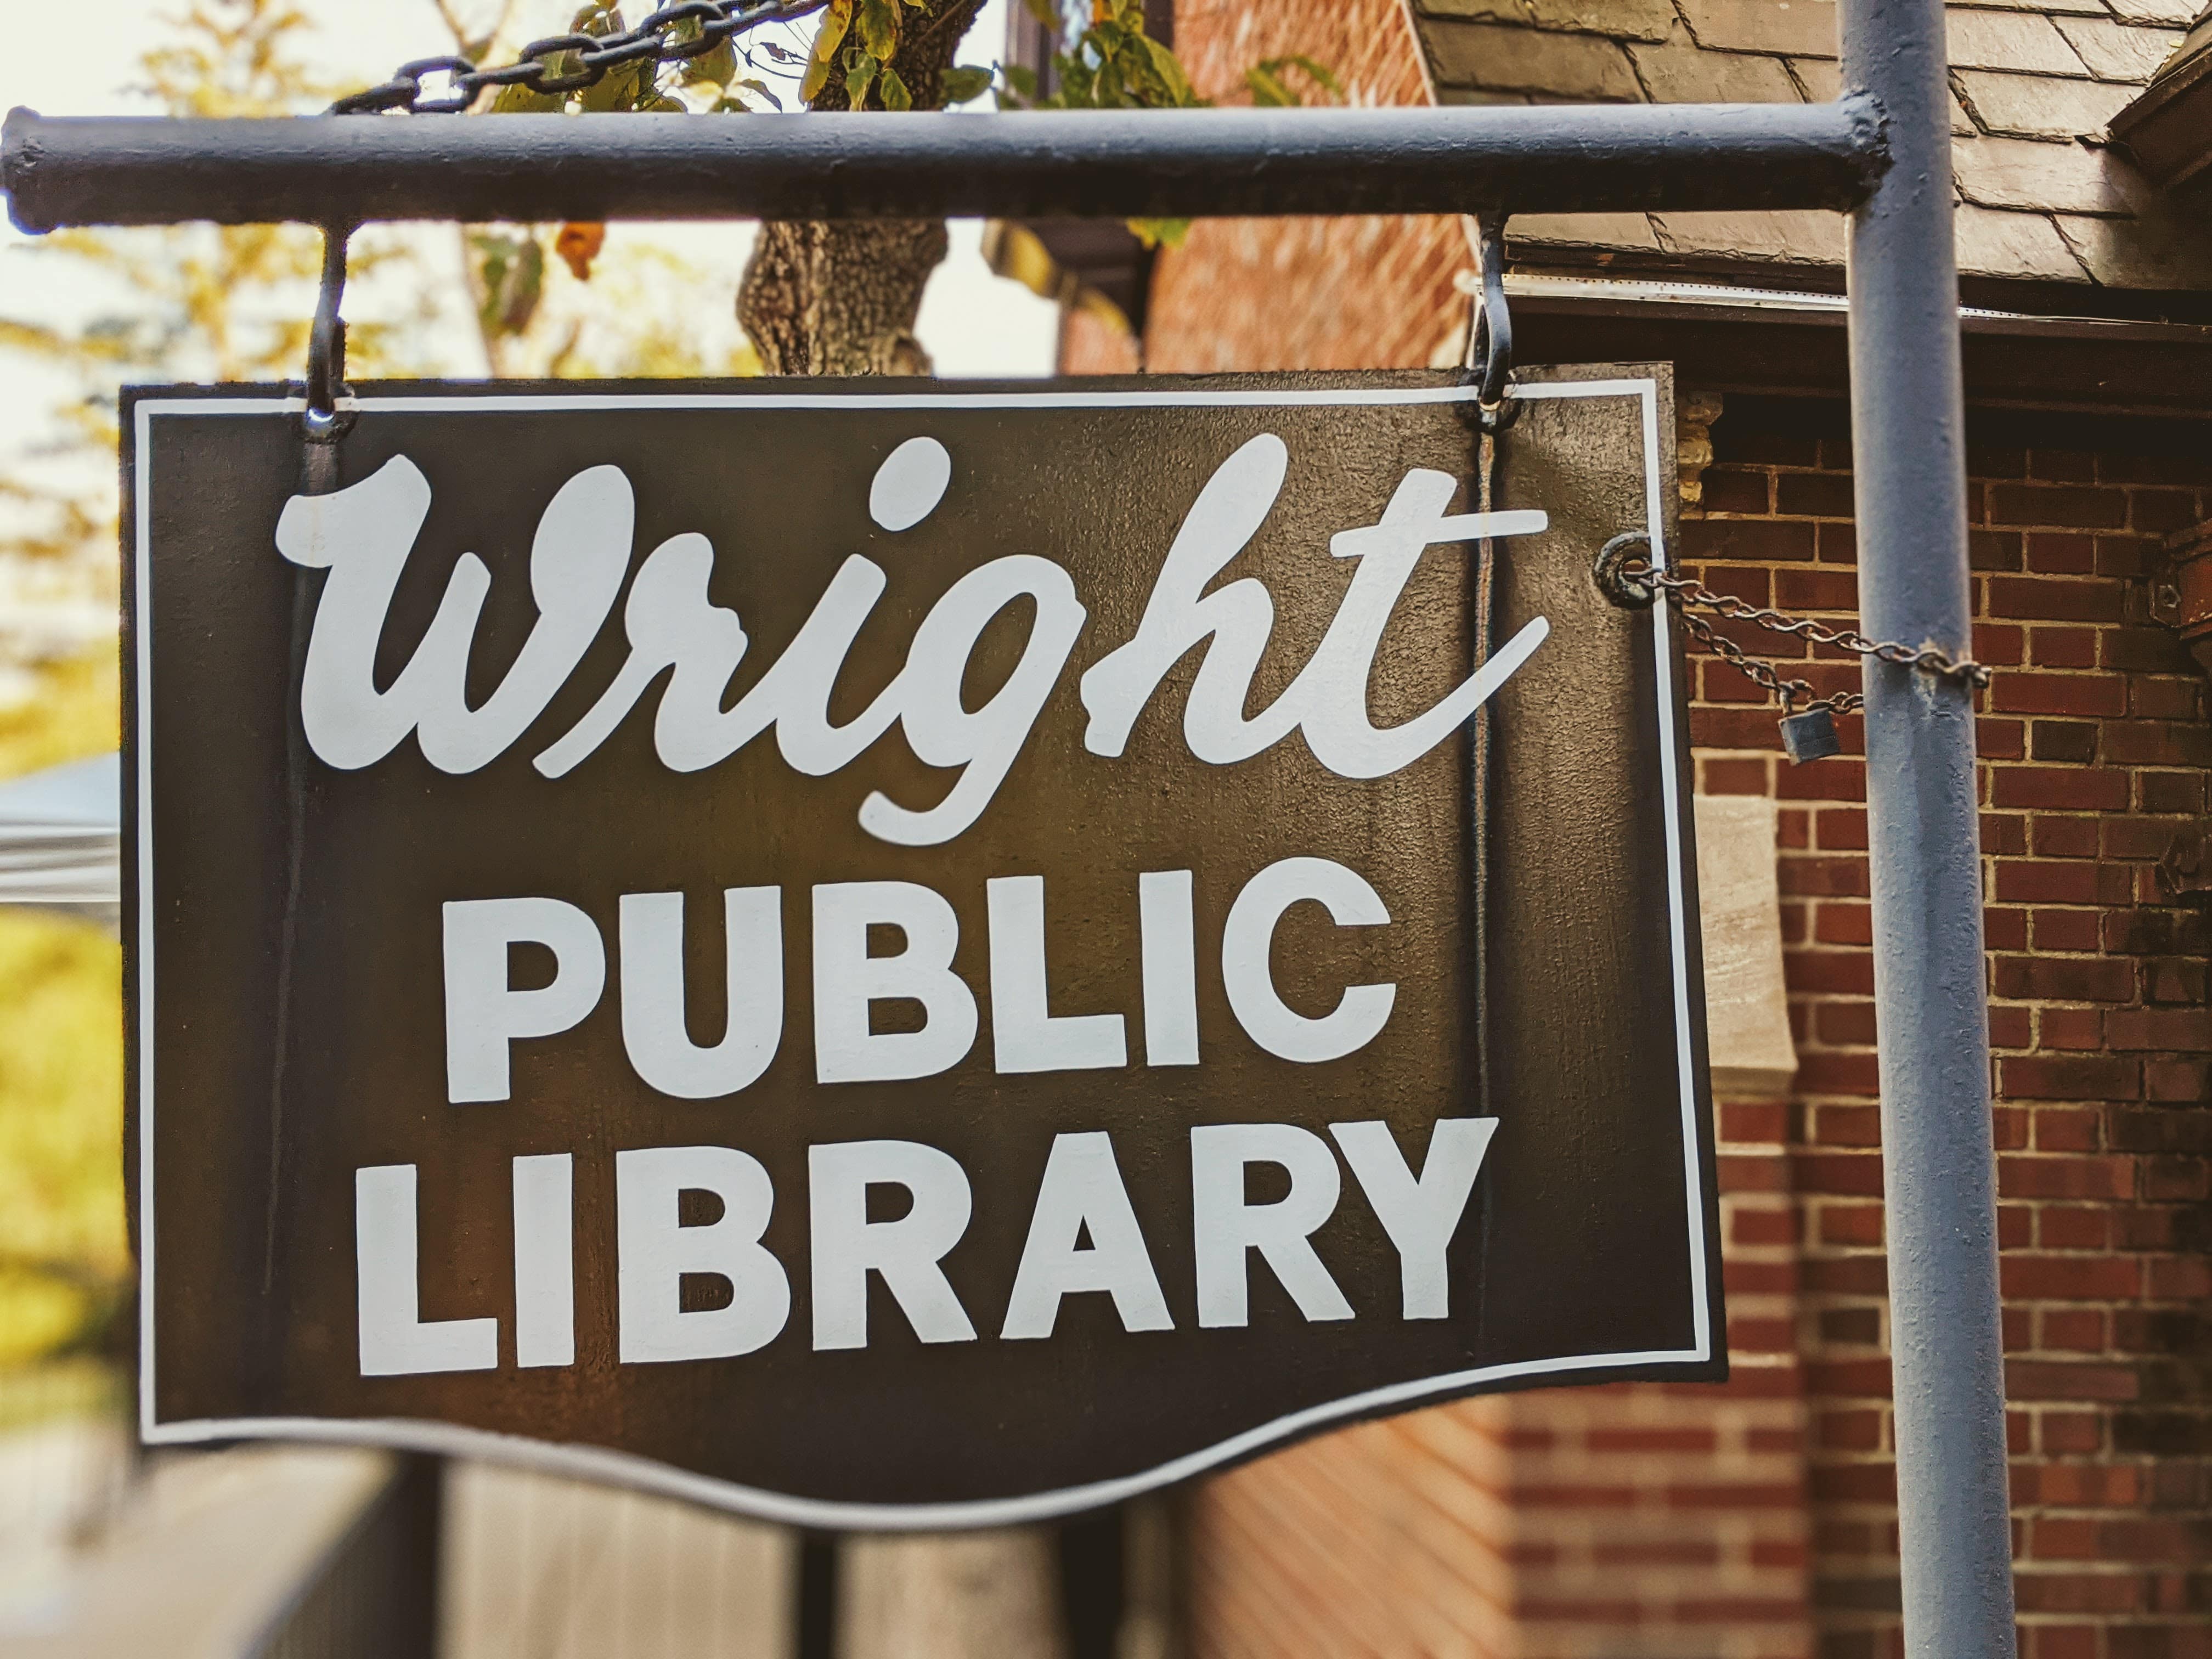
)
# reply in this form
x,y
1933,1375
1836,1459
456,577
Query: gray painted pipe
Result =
x,y
1908,441
1111,163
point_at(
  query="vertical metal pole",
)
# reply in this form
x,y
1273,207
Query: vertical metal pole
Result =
x,y
1909,444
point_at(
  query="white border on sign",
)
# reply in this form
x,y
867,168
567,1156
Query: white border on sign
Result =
x,y
629,1469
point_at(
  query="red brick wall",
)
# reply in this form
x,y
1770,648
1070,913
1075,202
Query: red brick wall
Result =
x,y
1249,293
2093,746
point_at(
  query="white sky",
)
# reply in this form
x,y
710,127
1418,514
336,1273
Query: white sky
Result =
x,y
972,323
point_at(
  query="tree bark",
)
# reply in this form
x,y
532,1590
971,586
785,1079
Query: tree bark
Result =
x,y
840,298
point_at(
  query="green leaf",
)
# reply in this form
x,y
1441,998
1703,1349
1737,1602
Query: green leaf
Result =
x,y
895,92
713,68
1170,69
964,81
1021,78
859,74
511,273
1160,232
1271,87
879,22
1321,72
823,58
626,87
1043,10
762,89
521,100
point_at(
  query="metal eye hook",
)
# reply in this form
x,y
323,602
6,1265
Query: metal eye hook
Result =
x,y
1629,592
325,383
1490,340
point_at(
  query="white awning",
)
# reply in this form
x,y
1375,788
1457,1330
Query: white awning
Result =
x,y
61,834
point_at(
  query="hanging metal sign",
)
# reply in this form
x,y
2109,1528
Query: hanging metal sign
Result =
x,y
901,955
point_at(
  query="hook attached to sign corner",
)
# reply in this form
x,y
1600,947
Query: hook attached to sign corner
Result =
x,y
1489,335
324,421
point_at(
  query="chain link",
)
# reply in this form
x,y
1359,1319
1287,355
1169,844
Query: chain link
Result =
x,y
1795,694
661,38
1634,582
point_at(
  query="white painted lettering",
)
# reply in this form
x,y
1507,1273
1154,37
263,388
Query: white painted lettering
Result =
x,y
362,536
1024,1036
1169,951
1248,938
544,1261
656,1251
1237,618
484,1014
655,1031
848,1247
1329,699
847,979
395,1340
1331,690
1226,1228
1082,1191
674,628
1419,1214
909,483
941,729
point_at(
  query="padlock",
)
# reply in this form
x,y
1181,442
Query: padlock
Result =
x,y
1810,736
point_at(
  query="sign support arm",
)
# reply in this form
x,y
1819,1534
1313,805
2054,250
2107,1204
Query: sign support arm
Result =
x,y
1638,158
1923,852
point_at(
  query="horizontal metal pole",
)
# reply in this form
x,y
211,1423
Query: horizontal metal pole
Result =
x,y
1116,164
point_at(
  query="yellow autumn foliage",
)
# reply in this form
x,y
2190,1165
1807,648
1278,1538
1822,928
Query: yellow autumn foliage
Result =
x,y
64,1260
76,713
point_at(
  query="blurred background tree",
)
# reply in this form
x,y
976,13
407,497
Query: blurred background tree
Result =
x,y
194,302
213,303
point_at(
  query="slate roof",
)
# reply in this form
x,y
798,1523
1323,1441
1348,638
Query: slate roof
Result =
x,y
2045,198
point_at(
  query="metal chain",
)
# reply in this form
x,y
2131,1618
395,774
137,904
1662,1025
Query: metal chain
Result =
x,y
1795,694
1634,582
656,40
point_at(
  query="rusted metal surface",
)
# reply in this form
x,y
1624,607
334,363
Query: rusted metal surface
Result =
x,y
2182,597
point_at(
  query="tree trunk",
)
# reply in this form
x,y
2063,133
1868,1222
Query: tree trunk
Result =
x,y
840,297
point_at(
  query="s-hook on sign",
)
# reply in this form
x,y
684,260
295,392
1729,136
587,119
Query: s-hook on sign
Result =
x,y
901,956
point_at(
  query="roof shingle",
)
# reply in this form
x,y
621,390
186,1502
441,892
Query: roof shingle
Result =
x,y
2044,196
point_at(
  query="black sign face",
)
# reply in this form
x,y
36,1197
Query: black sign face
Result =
x,y
883,955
